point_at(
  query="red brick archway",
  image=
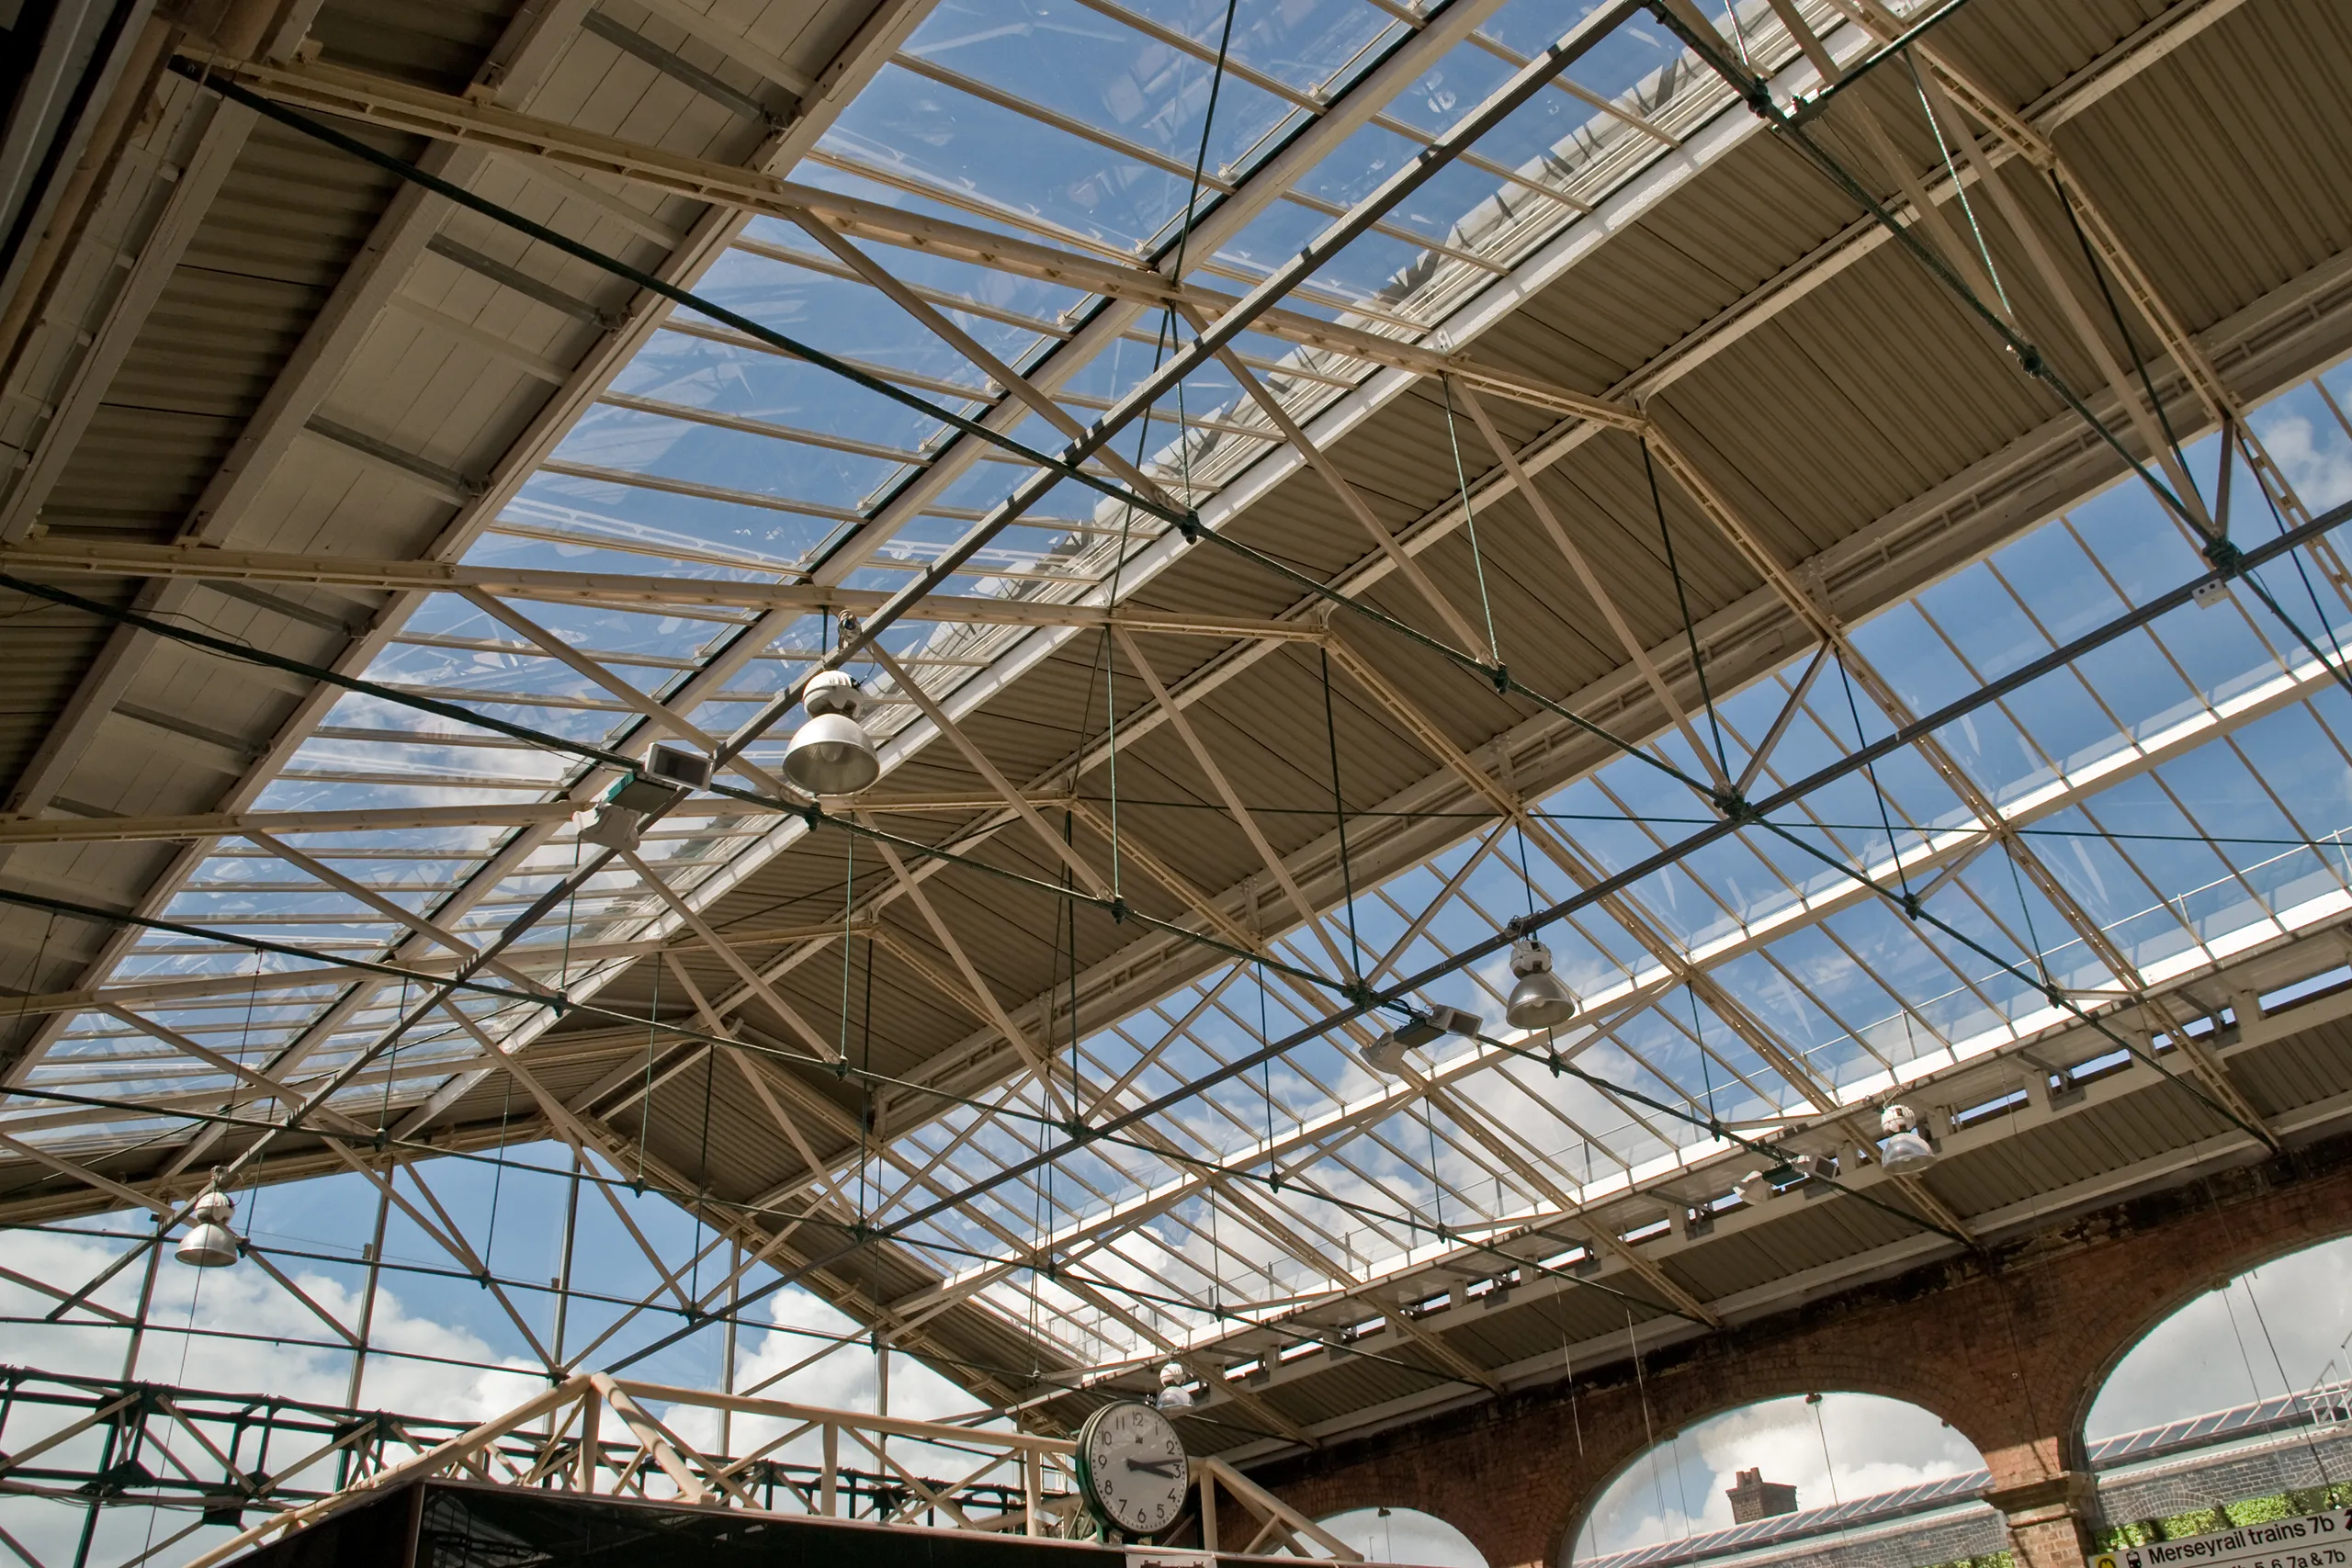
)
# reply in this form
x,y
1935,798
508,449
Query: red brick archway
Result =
x,y
2010,1347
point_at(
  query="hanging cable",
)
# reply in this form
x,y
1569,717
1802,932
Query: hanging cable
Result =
x,y
1339,815
1683,602
2130,342
1437,1182
702,1170
1183,435
645,1104
1960,188
391,1071
849,914
1699,1038
1470,522
1266,1074
1869,773
498,1182
865,1065
1070,916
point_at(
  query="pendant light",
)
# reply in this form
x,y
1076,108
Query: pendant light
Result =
x,y
831,752
1906,1148
210,1243
1540,999
1174,1395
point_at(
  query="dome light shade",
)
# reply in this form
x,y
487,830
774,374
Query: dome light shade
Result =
x,y
209,1244
1905,1152
830,753
1540,999
1755,1187
1174,1395
1906,1148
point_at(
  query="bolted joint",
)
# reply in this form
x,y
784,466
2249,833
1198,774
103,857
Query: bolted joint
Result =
x,y
2224,556
2030,360
1358,993
1118,912
1078,1130
1911,907
1190,526
1501,676
1736,807
812,814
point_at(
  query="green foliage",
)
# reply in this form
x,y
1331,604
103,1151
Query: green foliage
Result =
x,y
2225,1515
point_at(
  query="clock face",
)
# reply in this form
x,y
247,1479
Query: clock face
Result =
x,y
1133,1469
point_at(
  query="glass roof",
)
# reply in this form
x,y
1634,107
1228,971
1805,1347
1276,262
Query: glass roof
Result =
x,y
2141,815
713,457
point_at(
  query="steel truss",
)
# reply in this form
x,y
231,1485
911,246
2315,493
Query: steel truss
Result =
x,y
205,1458
1321,1256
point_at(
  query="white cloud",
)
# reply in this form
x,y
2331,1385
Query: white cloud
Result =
x,y
2319,467
241,1301
841,1379
1404,1535
246,1302
2282,1326
1873,1444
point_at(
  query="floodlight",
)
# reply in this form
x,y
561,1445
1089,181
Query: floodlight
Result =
x,y
676,765
1387,1054
614,827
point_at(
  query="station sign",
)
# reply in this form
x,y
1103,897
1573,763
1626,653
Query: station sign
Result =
x,y
2313,1540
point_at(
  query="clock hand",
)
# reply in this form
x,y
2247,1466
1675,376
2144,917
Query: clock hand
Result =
x,y
1156,1466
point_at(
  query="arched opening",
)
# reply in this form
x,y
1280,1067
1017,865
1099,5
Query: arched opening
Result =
x,y
2278,1329
1404,1535
2235,1408
1799,1458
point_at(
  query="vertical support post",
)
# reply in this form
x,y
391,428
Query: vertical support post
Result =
x,y
1209,1506
1031,1492
146,1301
727,1354
563,1268
829,1488
367,1304
592,1406
90,1519
2049,1519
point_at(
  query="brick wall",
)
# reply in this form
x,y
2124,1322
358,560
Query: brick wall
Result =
x,y
2009,1346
